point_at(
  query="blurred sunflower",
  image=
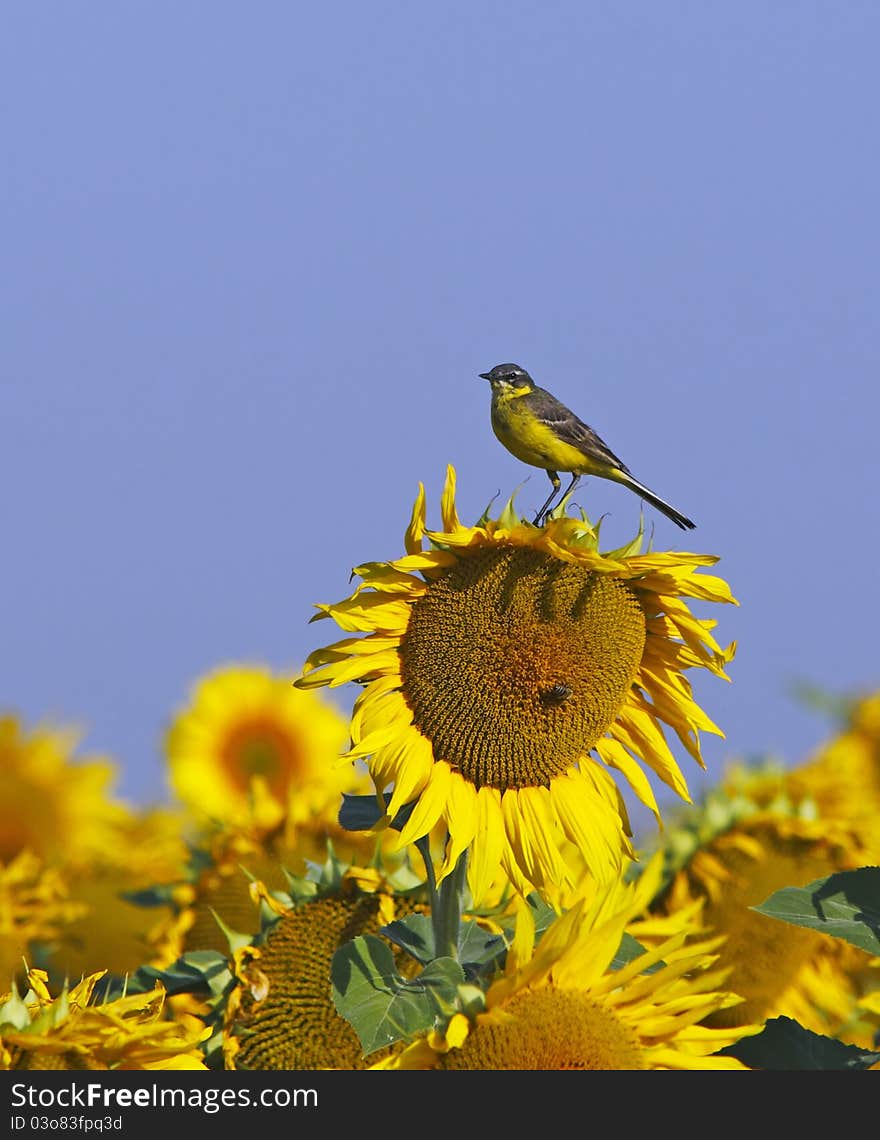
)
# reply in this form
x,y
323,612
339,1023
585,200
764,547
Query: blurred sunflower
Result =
x,y
281,1013
71,1031
115,930
53,804
562,1005
843,777
751,838
496,661
250,749
216,894
93,849
35,908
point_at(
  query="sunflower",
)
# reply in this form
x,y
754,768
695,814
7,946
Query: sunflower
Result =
x,y
249,749
54,804
766,840
73,1031
112,927
215,891
281,1015
561,1005
216,894
497,661
35,908
843,776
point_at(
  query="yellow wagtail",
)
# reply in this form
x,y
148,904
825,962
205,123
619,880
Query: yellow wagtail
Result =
x,y
539,430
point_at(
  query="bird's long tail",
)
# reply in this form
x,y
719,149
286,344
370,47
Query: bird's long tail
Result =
x,y
661,505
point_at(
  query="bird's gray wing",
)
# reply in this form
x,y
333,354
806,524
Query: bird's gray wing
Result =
x,y
566,425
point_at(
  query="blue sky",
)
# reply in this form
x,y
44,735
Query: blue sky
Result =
x,y
256,255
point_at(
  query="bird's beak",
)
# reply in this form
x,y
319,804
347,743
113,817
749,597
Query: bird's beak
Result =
x,y
484,375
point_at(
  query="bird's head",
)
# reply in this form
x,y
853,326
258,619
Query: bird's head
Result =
x,y
508,378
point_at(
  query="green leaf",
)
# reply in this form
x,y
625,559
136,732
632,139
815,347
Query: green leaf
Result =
x,y
382,1006
477,947
414,934
845,905
362,813
785,1045
543,914
629,949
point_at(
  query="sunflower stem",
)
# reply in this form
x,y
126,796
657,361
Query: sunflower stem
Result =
x,y
446,901
446,910
423,846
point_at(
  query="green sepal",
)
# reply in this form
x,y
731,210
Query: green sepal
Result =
x,y
14,1011
235,939
199,971
300,889
326,876
632,548
471,1000
381,1005
53,1015
845,905
784,1044
510,516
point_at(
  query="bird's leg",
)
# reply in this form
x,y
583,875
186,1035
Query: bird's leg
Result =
x,y
568,490
554,479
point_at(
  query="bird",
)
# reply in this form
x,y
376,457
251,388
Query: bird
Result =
x,y
541,431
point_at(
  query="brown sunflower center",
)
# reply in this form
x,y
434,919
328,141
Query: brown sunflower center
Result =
x,y
549,1029
224,894
258,748
288,1019
293,1024
515,663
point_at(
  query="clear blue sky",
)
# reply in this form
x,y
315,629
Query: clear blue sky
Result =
x,y
254,257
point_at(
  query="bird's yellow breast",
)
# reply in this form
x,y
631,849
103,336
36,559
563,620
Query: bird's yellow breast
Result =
x,y
531,440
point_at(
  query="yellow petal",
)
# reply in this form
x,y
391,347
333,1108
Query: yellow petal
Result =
x,y
432,800
413,537
485,856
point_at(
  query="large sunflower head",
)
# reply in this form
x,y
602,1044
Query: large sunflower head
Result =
x,y
563,1004
249,749
77,1030
506,668
54,803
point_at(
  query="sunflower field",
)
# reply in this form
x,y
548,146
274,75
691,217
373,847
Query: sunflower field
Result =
x,y
449,878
